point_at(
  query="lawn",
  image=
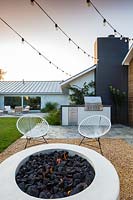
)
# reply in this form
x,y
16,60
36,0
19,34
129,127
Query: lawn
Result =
x,y
8,132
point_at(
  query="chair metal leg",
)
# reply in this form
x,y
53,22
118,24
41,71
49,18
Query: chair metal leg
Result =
x,y
27,140
45,140
81,141
100,146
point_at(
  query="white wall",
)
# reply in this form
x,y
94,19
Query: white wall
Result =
x,y
83,114
1,102
60,99
85,78
64,116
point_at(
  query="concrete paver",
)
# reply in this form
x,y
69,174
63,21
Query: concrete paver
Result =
x,y
117,131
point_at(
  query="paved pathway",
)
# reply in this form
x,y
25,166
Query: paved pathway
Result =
x,y
117,131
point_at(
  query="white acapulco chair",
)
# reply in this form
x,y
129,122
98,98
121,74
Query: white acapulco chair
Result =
x,y
93,127
32,127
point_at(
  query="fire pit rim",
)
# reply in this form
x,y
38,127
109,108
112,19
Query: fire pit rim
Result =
x,y
105,184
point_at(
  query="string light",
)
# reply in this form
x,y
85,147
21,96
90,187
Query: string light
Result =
x,y
56,26
34,48
32,2
22,40
121,37
115,32
88,2
104,21
126,40
59,28
107,22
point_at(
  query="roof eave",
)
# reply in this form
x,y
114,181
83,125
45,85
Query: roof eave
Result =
x,y
77,75
128,57
22,94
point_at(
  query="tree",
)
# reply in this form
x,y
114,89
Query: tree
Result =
x,y
2,73
77,96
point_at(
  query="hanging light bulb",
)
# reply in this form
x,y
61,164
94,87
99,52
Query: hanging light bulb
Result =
x,y
104,21
56,26
88,2
121,37
115,32
126,40
32,2
22,40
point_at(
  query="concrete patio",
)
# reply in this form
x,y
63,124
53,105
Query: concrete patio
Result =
x,y
117,131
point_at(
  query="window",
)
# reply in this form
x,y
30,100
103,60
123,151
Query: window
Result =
x,y
33,102
12,101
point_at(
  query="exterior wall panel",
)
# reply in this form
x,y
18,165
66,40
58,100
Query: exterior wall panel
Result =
x,y
1,102
60,99
130,93
85,78
111,51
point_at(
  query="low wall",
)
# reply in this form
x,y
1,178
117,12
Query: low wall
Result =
x,y
73,115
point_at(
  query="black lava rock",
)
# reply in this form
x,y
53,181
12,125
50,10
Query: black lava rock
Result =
x,y
54,175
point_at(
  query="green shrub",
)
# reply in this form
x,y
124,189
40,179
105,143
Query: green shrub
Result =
x,y
50,106
78,94
54,117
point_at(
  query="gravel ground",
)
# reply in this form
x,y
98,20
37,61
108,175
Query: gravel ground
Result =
x,y
117,151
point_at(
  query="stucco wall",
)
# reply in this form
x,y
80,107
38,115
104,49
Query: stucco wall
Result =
x,y
60,99
85,78
80,114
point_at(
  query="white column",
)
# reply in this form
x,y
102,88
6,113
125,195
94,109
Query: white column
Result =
x,y
22,101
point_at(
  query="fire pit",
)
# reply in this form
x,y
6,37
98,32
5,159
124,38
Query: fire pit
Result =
x,y
104,182
54,175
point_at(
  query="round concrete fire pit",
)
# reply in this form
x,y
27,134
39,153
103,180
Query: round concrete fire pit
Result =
x,y
105,185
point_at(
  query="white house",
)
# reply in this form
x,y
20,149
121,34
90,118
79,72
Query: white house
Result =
x,y
38,93
87,75
33,93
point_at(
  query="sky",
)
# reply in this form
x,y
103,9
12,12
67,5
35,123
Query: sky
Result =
x,y
77,20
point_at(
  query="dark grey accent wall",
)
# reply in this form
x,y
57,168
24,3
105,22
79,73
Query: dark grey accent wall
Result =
x,y
111,52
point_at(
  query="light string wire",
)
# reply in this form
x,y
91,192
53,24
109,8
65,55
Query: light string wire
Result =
x,y
59,28
105,21
34,48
